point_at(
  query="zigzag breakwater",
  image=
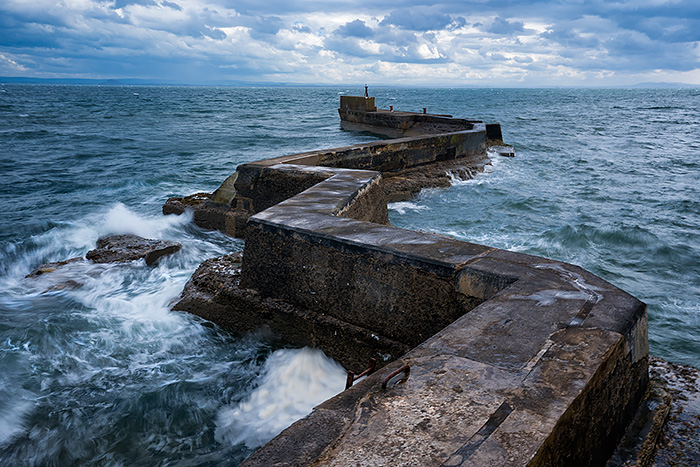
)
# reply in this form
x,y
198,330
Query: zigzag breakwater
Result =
x,y
503,358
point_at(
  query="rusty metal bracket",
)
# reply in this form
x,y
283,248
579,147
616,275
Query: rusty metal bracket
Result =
x,y
352,377
404,369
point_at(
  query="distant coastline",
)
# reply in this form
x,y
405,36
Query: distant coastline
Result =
x,y
263,84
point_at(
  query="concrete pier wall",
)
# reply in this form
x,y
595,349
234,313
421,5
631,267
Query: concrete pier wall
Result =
x,y
557,353
515,359
257,186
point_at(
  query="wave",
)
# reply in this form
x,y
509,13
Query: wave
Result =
x,y
294,381
402,207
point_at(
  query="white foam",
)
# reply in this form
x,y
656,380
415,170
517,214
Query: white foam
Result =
x,y
402,206
11,418
294,381
121,220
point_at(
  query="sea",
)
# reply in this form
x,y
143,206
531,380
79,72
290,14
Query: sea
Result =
x,y
95,369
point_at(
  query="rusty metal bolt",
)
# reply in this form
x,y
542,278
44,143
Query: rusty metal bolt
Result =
x,y
404,369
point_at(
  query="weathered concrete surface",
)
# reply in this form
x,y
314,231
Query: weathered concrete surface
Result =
x,y
666,428
639,443
528,377
505,151
360,114
516,360
569,351
358,103
214,293
123,248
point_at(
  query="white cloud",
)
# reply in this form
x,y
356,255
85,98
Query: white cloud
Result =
x,y
454,42
10,67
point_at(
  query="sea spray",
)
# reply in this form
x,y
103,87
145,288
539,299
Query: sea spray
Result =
x,y
294,381
402,206
97,369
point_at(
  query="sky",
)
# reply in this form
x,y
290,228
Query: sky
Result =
x,y
380,42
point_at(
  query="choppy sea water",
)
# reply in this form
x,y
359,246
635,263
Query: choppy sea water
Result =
x,y
95,369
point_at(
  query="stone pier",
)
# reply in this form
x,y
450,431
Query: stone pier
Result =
x,y
505,358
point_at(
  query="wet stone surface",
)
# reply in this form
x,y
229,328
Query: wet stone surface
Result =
x,y
679,444
123,248
51,267
178,205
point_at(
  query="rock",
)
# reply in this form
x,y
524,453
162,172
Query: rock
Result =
x,y
666,429
226,192
504,151
178,205
402,185
67,285
679,443
211,277
51,267
122,248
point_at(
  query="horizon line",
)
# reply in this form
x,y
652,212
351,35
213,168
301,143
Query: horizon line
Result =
x,y
238,83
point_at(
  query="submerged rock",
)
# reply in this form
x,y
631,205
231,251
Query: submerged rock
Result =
x,y
51,267
178,205
122,248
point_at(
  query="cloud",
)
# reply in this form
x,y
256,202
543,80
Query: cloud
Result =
x,y
417,19
356,28
451,42
118,4
174,6
503,26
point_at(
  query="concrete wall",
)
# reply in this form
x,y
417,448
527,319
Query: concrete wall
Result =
x,y
551,359
265,187
255,186
516,360
400,124
364,104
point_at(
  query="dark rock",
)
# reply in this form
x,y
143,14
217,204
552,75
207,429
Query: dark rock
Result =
x,y
178,205
402,185
504,150
679,443
67,285
213,275
51,267
122,248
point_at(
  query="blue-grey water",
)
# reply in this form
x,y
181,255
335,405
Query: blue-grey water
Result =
x,y
96,370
